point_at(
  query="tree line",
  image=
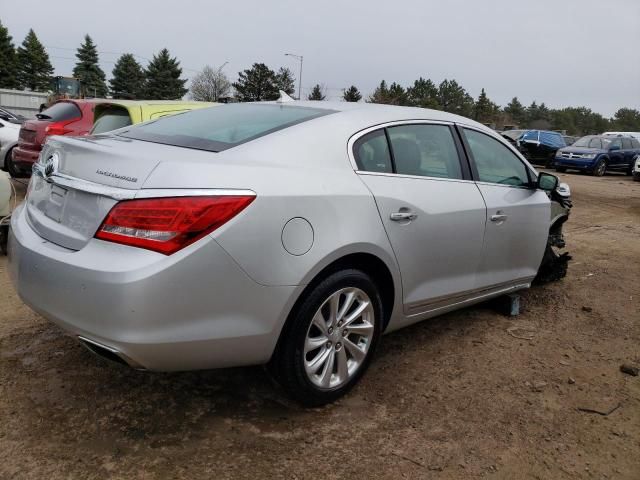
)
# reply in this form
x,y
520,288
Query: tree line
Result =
x,y
28,67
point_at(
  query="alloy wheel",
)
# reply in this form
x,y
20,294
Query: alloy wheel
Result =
x,y
338,338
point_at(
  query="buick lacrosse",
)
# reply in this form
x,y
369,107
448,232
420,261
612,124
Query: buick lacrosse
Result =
x,y
291,234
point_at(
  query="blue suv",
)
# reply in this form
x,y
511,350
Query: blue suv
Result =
x,y
598,153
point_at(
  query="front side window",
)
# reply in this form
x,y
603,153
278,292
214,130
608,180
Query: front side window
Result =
x,y
495,162
425,150
626,144
371,152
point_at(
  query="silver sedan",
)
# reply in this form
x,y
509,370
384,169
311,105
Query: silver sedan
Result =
x,y
291,234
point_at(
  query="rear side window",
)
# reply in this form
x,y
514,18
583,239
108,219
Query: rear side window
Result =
x,y
494,161
371,152
626,143
111,119
60,111
635,143
425,150
616,142
219,128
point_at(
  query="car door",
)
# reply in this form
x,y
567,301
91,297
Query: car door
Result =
x,y
628,152
616,155
518,216
431,209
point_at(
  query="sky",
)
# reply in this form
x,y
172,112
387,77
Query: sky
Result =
x,y
561,52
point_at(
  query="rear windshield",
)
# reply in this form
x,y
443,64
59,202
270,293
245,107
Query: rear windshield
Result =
x,y
60,111
111,119
219,128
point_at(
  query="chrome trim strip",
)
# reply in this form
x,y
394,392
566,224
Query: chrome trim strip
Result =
x,y
196,192
117,193
446,301
417,177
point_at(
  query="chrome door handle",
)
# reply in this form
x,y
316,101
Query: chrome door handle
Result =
x,y
498,217
400,216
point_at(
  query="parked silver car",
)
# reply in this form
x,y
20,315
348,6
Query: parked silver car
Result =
x,y
292,234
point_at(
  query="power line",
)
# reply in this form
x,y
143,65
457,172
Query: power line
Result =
x,y
108,53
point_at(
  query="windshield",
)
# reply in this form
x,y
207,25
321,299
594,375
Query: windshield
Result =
x,y
591,141
219,128
67,86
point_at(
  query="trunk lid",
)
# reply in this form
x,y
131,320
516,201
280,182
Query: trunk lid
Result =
x,y
80,179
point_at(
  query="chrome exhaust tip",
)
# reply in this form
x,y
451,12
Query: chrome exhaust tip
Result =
x,y
108,353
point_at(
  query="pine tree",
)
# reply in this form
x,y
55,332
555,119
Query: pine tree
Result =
x,y
455,99
380,94
8,64
88,70
516,111
317,93
285,81
34,68
627,120
256,83
423,93
163,78
485,111
352,94
128,78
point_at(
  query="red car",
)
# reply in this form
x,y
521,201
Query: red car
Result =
x,y
66,117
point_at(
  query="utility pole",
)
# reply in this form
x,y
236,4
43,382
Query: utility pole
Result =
x,y
299,58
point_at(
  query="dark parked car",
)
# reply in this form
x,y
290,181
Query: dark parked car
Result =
x,y
598,153
512,135
66,117
9,116
540,146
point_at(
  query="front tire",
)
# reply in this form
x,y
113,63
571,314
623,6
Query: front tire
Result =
x,y
330,338
561,169
600,168
10,167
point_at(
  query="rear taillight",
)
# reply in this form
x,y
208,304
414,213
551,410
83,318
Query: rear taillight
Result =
x,y
166,225
59,128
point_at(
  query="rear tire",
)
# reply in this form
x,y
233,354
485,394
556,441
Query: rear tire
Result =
x,y
326,345
4,236
561,169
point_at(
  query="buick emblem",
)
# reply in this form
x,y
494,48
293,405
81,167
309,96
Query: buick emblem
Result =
x,y
51,165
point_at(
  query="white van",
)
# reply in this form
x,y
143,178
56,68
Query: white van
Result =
x,y
626,134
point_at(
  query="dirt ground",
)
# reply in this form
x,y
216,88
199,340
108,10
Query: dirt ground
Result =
x,y
460,396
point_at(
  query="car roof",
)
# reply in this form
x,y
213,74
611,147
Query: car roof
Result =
x,y
126,103
375,113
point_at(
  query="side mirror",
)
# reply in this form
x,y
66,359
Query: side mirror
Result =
x,y
613,148
547,182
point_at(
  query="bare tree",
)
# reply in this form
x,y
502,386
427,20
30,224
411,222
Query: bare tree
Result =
x,y
210,85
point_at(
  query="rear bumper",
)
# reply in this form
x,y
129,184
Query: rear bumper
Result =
x,y
192,310
25,158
